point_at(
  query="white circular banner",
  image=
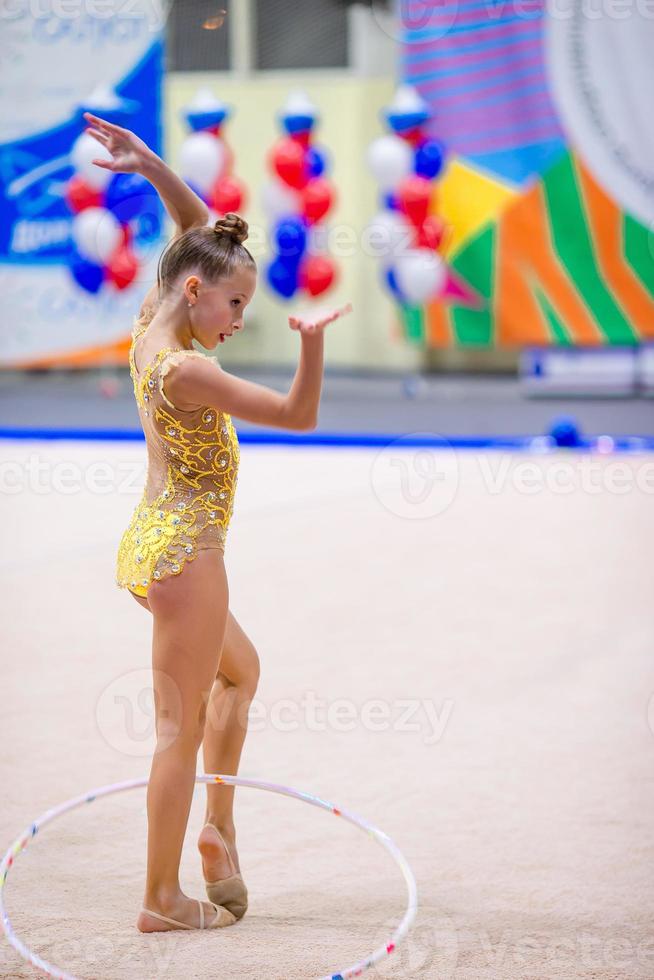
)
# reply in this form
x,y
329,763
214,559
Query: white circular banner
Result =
x,y
600,61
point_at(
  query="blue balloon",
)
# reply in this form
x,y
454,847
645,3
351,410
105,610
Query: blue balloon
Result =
x,y
282,278
316,161
87,274
428,161
291,239
565,432
391,282
128,195
390,201
146,227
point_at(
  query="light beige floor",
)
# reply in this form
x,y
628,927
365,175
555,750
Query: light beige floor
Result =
x,y
507,632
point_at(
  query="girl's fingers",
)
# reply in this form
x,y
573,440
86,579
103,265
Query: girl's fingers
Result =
x,y
98,135
100,123
335,314
106,164
312,326
110,128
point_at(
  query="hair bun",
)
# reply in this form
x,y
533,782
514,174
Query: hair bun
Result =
x,y
232,225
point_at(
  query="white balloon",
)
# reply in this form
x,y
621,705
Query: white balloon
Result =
x,y
97,234
202,159
278,200
84,150
390,159
420,274
318,236
389,235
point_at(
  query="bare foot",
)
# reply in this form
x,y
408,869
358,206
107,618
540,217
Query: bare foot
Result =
x,y
184,909
216,862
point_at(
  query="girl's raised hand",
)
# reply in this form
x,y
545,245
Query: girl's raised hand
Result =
x,y
314,323
129,154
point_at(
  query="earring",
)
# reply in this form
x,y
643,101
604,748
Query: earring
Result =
x,y
190,305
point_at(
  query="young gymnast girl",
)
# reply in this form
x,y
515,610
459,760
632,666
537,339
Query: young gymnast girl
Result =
x,y
171,556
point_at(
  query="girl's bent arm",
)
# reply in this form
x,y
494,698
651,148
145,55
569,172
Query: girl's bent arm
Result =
x,y
196,381
182,204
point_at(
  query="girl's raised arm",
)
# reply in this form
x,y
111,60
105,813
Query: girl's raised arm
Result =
x,y
129,154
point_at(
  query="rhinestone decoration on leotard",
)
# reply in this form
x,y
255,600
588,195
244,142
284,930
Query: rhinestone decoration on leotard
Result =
x,y
193,459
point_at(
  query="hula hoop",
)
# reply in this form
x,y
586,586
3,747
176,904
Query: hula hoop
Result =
x,y
355,970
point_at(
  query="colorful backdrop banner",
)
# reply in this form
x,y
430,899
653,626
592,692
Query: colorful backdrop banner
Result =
x,y
57,64
549,181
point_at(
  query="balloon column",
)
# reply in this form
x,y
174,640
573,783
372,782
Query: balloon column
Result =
x,y
296,200
112,212
405,163
207,161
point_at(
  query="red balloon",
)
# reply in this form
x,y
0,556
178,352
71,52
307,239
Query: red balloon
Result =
x,y
413,136
316,274
317,199
122,268
413,197
289,160
302,138
227,195
80,196
430,234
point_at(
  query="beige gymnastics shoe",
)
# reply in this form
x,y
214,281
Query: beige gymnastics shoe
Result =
x,y
230,892
223,918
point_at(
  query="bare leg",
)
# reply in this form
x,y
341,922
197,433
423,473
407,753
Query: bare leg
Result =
x,y
190,615
224,735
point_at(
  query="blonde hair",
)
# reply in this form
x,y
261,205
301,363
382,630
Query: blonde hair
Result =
x,y
216,250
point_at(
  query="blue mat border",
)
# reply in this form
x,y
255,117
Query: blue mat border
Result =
x,y
344,439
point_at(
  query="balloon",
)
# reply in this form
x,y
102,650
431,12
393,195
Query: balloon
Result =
x,y
84,151
202,159
128,195
277,199
390,202
288,160
413,196
429,159
303,137
88,275
80,195
97,234
122,267
390,159
317,273
317,199
420,274
291,239
227,195
318,238
391,282
414,137
389,235
282,278
316,161
430,234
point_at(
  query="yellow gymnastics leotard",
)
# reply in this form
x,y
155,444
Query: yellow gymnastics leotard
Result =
x,y
193,459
